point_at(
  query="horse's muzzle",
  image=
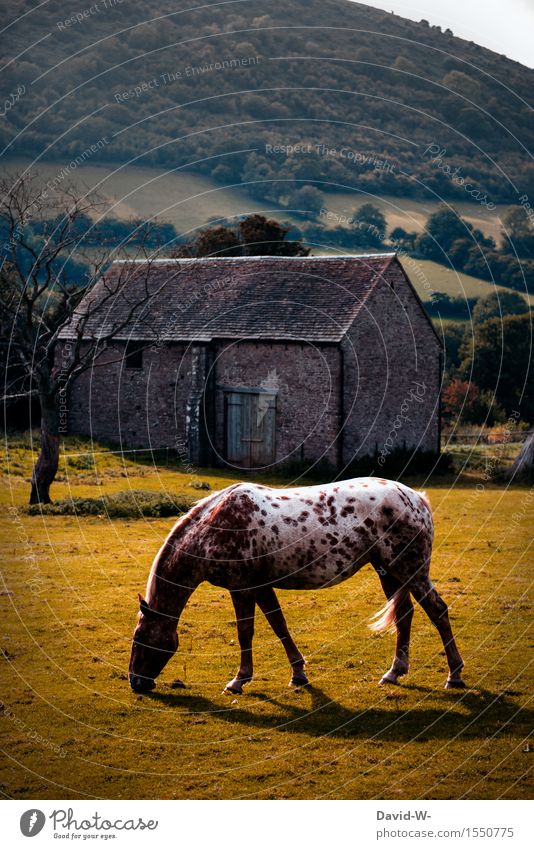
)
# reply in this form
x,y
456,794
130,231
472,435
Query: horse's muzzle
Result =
x,y
141,684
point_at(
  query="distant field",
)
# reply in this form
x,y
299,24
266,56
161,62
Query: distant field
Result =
x,y
73,728
411,214
430,276
186,200
190,200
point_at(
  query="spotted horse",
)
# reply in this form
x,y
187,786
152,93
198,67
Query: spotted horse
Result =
x,y
253,539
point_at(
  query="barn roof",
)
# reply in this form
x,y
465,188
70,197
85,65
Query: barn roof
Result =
x,y
287,298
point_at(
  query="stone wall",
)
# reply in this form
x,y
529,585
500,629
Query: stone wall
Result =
x,y
392,374
136,407
307,380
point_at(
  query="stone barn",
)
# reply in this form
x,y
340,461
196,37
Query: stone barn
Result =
x,y
255,362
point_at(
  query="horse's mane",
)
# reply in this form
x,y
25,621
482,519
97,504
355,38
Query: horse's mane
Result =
x,y
182,524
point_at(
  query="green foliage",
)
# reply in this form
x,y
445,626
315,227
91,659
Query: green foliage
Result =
x,y
402,63
443,228
463,84
402,240
445,306
306,201
364,229
499,304
453,334
518,233
463,402
498,359
214,241
450,240
109,231
371,218
255,235
486,372
401,463
260,236
352,238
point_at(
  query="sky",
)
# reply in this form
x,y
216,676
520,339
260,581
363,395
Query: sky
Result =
x,y
506,26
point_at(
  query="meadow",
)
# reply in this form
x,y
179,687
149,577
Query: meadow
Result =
x,y
71,727
190,200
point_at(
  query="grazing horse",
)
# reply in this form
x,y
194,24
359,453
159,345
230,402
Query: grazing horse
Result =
x,y
251,539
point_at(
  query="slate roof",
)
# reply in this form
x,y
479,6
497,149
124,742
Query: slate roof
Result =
x,y
286,298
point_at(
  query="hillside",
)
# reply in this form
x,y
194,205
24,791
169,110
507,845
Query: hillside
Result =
x,y
230,89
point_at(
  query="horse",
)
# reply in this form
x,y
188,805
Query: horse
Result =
x,y
252,539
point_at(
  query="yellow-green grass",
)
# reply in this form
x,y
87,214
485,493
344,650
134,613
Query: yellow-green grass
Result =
x,y
72,728
428,277
187,200
412,213
476,460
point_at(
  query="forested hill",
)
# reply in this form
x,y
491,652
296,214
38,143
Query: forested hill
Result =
x,y
231,88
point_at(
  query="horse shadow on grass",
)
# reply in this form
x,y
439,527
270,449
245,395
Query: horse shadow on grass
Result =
x,y
471,713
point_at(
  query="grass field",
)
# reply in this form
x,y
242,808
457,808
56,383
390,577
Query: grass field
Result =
x,y
71,727
412,213
427,276
187,200
190,200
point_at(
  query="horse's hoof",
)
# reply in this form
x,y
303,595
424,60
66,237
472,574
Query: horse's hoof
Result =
x,y
300,680
455,684
236,685
233,691
386,679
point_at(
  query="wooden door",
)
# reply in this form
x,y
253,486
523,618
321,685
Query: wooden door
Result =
x,y
250,428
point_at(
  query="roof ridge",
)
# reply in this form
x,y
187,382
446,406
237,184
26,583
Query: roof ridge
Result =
x,y
176,260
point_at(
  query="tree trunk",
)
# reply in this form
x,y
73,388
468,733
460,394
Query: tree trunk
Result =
x,y
44,471
523,467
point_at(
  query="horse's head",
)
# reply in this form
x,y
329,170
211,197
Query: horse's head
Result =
x,y
154,642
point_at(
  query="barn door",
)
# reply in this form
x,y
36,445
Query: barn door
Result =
x,y
250,428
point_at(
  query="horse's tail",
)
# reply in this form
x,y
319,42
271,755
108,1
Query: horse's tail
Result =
x,y
384,620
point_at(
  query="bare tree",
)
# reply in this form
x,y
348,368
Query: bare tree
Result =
x,y
41,300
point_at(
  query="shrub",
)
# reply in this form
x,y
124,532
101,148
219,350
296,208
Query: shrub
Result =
x,y
129,504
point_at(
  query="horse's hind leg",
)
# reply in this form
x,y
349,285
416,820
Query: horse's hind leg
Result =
x,y
268,604
437,611
403,613
244,606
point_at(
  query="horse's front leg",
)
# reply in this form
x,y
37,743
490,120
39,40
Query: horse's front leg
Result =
x,y
244,605
268,603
